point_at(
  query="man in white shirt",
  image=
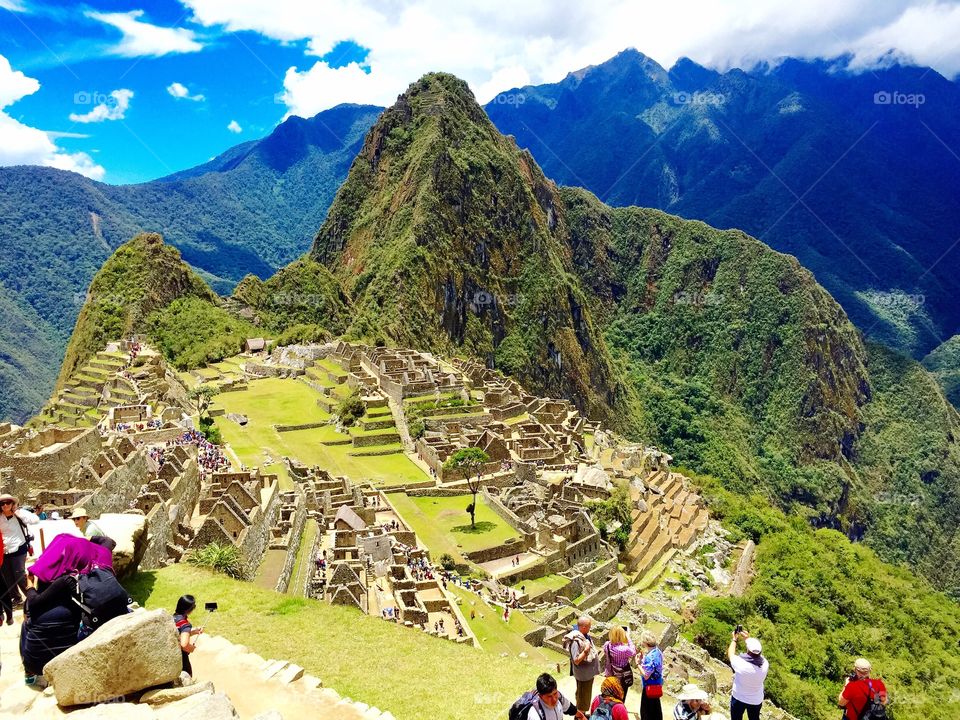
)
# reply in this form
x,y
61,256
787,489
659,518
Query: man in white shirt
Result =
x,y
550,704
16,546
749,673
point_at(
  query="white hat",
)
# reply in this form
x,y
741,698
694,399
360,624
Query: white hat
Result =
x,y
692,692
55,515
754,646
79,512
862,664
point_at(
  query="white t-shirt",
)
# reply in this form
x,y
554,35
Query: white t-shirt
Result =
x,y
554,713
13,535
748,680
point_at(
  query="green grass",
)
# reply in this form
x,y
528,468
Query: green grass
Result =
x,y
543,584
413,675
497,636
283,401
434,520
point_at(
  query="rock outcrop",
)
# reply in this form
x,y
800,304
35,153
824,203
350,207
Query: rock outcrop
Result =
x,y
129,653
129,531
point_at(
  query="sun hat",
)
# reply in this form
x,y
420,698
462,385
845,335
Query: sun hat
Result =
x,y
7,496
754,646
79,512
692,692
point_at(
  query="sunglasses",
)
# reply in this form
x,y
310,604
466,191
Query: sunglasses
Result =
x,y
6,502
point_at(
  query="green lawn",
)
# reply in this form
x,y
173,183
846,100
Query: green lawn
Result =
x,y
497,636
283,401
411,674
543,584
441,523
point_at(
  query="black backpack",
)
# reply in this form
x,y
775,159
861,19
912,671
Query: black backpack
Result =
x,y
874,709
101,597
521,708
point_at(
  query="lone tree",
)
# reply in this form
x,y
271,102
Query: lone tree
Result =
x,y
470,461
201,397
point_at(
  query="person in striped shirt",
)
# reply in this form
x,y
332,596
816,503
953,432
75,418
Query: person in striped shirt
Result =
x,y
618,653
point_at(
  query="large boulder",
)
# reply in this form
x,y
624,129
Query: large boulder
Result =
x,y
129,653
130,533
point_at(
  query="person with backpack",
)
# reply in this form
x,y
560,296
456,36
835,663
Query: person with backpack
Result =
x,y
186,632
608,705
544,703
651,668
52,615
618,653
584,661
16,546
749,675
863,697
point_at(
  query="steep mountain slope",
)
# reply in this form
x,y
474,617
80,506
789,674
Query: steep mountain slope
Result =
x,y
251,210
849,173
146,288
944,363
448,237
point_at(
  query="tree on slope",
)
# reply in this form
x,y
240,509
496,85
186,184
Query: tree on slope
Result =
x,y
470,461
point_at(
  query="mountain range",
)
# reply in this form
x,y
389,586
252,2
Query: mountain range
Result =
x,y
850,173
446,235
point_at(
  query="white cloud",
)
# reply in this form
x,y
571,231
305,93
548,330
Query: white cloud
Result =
x,y
144,39
234,127
502,43
111,107
12,5
181,92
21,144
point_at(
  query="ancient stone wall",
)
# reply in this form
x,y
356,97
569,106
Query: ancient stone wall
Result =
x,y
296,532
51,470
257,536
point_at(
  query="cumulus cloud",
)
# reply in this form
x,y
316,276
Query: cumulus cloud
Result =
x,y
21,144
144,39
181,92
499,44
109,107
234,127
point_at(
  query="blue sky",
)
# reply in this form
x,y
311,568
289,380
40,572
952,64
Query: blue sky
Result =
x,y
130,90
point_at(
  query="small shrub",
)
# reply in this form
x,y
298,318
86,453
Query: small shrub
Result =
x,y
417,429
447,562
351,409
219,557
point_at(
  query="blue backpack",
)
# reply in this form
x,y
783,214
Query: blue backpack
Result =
x,y
521,708
604,711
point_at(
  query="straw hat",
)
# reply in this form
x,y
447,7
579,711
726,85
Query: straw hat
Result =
x,y
79,512
7,496
692,692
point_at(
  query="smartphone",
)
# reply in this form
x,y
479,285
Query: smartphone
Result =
x,y
738,629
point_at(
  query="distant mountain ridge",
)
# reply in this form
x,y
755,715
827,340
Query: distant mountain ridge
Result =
x,y
850,173
252,209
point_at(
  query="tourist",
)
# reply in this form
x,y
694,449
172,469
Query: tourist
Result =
x,y
40,512
16,547
692,703
185,631
651,668
618,653
612,693
52,617
749,673
84,524
549,703
584,661
860,690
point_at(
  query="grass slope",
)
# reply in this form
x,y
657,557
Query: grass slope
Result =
x,y
415,676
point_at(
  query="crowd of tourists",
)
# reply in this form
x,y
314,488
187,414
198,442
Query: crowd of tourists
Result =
x,y
622,666
210,457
